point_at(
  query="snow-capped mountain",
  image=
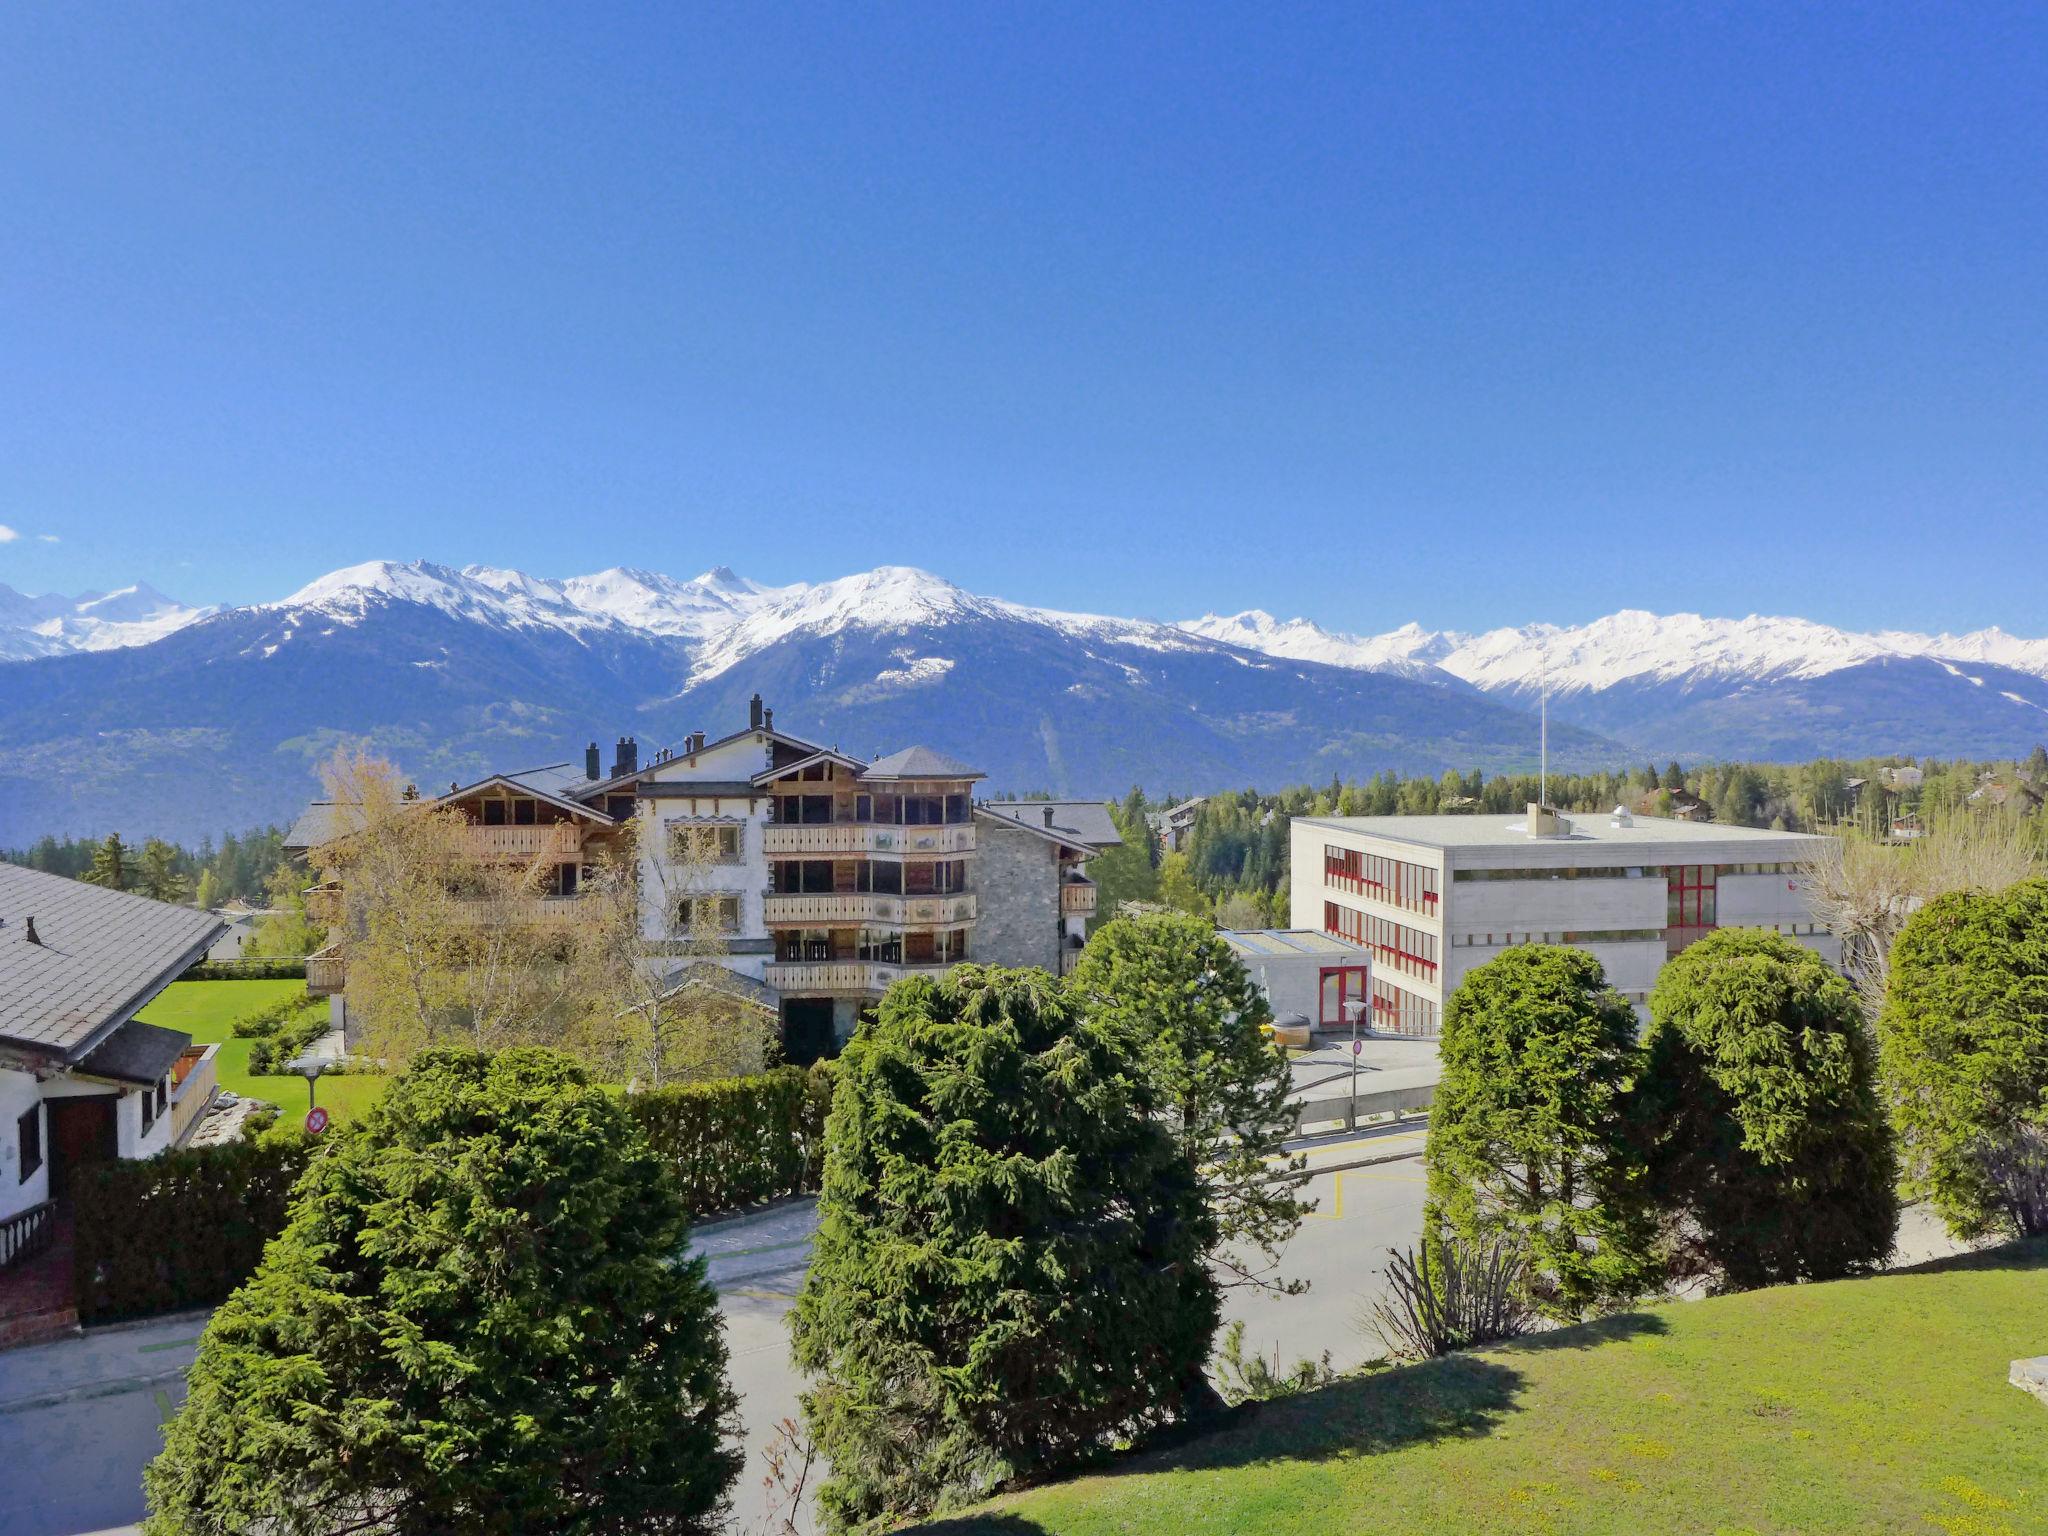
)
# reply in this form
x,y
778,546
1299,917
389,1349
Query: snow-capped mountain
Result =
x,y
52,624
1696,686
130,710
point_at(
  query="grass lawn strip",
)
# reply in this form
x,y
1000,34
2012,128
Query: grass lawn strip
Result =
x,y
1861,1405
207,1010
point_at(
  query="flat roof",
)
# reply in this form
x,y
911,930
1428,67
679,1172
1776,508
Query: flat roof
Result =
x,y
1265,943
1590,830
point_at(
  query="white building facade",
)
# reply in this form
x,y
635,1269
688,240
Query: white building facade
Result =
x,y
1431,897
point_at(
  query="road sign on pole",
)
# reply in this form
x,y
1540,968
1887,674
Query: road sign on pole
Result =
x,y
316,1121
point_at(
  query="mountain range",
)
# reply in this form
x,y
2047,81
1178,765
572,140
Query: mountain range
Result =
x,y
128,710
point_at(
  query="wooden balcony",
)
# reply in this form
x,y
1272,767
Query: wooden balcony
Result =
x,y
1077,898
324,904
868,909
326,973
532,911
562,840
858,837
844,978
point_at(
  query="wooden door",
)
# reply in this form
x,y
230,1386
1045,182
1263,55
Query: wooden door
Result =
x,y
82,1131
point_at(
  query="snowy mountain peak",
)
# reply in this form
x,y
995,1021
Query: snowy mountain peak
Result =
x,y
52,624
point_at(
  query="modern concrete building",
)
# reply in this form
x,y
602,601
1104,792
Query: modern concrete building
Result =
x,y
1306,974
1430,897
826,877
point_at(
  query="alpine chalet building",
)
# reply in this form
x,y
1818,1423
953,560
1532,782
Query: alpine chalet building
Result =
x,y
826,877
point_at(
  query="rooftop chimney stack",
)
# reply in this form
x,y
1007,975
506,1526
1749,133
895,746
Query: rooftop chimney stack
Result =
x,y
33,936
629,754
767,719
592,762
754,713
1048,815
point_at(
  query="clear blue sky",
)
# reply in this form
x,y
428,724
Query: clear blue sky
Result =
x,y
1468,315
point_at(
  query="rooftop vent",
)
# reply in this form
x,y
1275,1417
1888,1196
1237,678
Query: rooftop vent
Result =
x,y
32,936
1545,822
1621,817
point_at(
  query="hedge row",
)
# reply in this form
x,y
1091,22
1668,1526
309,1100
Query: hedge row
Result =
x,y
182,1230
742,1140
253,968
265,1020
274,1051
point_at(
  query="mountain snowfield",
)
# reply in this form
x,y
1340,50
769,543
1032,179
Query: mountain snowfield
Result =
x,y
53,625
1627,647
730,618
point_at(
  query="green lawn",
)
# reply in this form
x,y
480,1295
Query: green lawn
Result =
x,y
207,1010
1863,1405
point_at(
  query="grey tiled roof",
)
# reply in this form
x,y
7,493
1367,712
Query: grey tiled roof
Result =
x,y
136,1053
102,955
321,823
919,763
1078,821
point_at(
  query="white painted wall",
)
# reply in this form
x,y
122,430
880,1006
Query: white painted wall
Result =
x,y
19,1094
662,882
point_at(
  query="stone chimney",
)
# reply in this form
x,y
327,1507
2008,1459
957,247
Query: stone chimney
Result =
x,y
629,755
592,761
754,713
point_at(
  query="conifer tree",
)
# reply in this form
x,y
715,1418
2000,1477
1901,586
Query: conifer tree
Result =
x,y
110,864
476,1320
1007,1275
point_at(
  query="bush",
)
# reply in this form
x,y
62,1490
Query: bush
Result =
x,y
1008,1272
265,1020
251,968
742,1140
182,1230
475,1321
1530,1137
1963,1045
1449,1294
1769,1151
274,1051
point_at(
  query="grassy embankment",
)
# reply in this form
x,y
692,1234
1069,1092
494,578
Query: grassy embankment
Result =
x,y
207,1010
1861,1405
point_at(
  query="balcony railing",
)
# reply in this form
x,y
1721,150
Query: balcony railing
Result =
x,y
195,1086
1077,898
326,973
27,1233
544,911
847,909
786,838
562,839
844,977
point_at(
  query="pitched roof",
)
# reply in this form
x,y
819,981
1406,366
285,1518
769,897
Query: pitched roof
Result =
x,y
1075,821
718,978
101,956
495,780
919,763
321,823
136,1053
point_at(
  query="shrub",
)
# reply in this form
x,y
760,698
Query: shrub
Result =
x,y
1255,1379
742,1140
1769,1152
1963,1046
474,1321
182,1230
249,968
1008,1272
1529,1137
1450,1294
273,1051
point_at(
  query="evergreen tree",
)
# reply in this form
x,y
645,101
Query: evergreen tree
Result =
x,y
1769,1144
1177,887
476,1320
158,876
1963,1043
1007,1275
1674,778
1193,1018
1530,1136
209,893
110,864
1136,826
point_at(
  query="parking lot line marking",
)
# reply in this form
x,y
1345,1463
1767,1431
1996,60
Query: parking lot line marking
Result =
x,y
151,1349
1336,1211
164,1406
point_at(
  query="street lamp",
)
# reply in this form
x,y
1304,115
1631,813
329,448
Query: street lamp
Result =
x,y
1356,1008
310,1068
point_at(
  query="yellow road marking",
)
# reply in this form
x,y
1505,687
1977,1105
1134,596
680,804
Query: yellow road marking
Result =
x,y
1336,1211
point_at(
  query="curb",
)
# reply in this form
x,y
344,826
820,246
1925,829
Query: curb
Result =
x,y
92,1390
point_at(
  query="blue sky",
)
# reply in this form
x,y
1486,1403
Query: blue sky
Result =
x,y
1470,315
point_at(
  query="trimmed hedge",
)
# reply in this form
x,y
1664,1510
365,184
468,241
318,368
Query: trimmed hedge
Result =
x,y
253,968
741,1140
274,1050
163,1234
265,1020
